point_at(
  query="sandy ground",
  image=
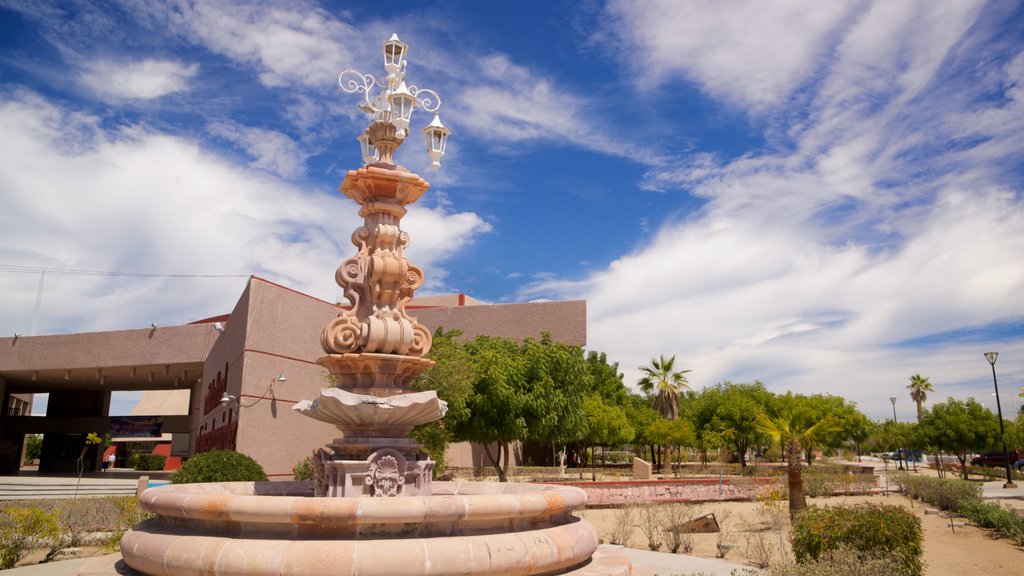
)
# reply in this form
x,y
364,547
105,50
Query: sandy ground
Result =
x,y
947,553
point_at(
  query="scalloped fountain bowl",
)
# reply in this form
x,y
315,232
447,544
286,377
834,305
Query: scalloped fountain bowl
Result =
x,y
278,528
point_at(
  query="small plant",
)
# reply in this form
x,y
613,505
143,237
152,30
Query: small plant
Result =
x,y
304,469
876,531
760,549
622,526
724,542
91,440
652,524
219,466
675,516
144,461
24,528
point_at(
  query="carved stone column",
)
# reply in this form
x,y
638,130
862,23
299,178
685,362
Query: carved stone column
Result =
x,y
375,350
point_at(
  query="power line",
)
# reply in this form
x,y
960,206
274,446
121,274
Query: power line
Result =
x,y
16,269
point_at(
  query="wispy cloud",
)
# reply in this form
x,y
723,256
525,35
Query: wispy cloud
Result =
x,y
143,80
298,43
128,198
273,151
883,214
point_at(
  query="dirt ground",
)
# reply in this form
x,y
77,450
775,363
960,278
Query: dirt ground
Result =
x,y
947,553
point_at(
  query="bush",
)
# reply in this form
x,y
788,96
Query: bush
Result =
x,y
219,466
33,447
946,494
1003,520
842,561
304,469
887,532
24,528
143,461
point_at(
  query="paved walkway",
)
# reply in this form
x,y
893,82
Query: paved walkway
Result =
x,y
645,563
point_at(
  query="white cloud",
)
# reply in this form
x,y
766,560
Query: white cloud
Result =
x,y
296,43
273,151
142,80
78,196
886,215
742,51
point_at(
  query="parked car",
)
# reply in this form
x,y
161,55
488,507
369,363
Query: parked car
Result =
x,y
907,455
996,458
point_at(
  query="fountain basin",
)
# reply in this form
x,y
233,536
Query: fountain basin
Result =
x,y
278,528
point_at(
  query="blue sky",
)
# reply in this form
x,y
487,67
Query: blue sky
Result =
x,y
826,196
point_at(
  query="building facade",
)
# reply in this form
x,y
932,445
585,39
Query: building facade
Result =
x,y
263,355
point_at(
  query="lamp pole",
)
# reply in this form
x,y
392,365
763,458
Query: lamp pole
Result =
x,y
899,451
991,357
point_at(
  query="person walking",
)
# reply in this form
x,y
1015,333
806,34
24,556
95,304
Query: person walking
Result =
x,y
109,464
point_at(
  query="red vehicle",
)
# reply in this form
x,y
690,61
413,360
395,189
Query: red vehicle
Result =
x,y
996,458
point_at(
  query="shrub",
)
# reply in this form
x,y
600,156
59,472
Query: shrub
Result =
x,y
947,494
143,461
219,466
842,561
304,469
878,531
24,528
1003,520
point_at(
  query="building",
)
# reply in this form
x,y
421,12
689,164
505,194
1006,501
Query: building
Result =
x,y
263,354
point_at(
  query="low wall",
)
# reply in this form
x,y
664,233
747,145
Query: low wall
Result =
x,y
680,490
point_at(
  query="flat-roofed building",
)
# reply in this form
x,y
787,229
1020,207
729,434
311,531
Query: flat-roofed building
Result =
x,y
271,331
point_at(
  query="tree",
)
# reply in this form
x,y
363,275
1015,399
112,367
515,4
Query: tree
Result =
x,y
527,391
919,387
790,431
452,377
959,427
664,383
672,433
606,425
724,415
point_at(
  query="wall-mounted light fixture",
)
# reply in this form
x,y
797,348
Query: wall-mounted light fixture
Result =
x,y
226,398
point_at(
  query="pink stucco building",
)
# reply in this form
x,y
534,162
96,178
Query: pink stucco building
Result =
x,y
272,330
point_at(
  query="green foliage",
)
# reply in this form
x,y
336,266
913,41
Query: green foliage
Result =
x,y
724,415
946,494
304,469
127,514
1002,519
144,461
842,561
959,427
219,466
452,377
919,388
33,447
528,391
664,383
878,531
23,528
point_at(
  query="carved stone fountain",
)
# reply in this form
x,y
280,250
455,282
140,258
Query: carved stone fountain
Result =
x,y
372,508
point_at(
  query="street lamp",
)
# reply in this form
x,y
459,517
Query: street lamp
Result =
x,y
391,109
991,357
899,450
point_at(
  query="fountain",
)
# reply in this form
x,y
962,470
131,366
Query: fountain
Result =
x,y
372,508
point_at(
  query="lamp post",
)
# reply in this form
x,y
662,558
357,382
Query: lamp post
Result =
x,y
391,109
991,357
899,451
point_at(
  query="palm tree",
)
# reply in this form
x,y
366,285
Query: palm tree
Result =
x,y
664,383
919,387
791,432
